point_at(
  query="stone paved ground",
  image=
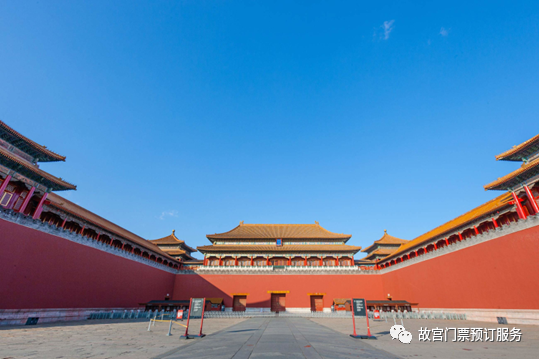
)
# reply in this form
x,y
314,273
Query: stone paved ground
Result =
x,y
282,338
97,339
252,338
527,348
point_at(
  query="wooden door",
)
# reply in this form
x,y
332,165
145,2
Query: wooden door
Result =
x,y
278,302
240,302
317,303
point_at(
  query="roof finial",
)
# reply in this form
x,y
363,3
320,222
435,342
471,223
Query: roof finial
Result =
x,y
385,231
316,222
241,223
173,232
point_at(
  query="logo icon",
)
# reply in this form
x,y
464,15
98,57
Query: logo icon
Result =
x,y
400,333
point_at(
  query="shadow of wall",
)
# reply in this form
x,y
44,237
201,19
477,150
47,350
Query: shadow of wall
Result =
x,y
39,270
257,288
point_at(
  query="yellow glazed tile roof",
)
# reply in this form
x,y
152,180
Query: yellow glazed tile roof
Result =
x,y
263,231
522,147
507,178
491,206
37,147
284,248
172,239
386,239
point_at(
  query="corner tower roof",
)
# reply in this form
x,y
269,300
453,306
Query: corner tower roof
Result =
x,y
386,239
172,239
288,231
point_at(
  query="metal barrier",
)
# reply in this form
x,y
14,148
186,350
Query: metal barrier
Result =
x,y
162,315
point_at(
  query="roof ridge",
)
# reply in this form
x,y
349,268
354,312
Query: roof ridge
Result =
x,y
517,148
32,167
523,168
34,144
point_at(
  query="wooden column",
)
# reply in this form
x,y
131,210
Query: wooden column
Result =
x,y
532,200
4,185
446,242
305,264
460,237
39,208
476,231
252,261
495,223
321,261
520,210
236,261
27,200
289,261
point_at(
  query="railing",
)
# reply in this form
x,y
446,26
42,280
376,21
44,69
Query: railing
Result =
x,y
162,315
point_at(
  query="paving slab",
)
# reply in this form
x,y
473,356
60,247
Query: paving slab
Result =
x,y
528,347
286,338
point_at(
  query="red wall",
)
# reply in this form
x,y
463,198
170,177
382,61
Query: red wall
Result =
x,y
501,273
257,286
39,270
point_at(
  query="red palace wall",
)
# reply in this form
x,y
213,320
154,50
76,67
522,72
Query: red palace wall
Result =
x,y
499,274
39,270
257,286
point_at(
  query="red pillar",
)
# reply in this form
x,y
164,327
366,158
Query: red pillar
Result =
x,y
64,223
289,261
321,261
337,262
27,200
305,264
82,230
4,185
236,261
446,242
99,234
267,261
205,261
520,210
460,237
532,200
252,261
476,231
435,246
495,223
220,261
39,208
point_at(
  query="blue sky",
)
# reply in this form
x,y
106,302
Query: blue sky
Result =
x,y
196,115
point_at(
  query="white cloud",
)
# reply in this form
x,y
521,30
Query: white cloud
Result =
x,y
164,214
444,32
388,27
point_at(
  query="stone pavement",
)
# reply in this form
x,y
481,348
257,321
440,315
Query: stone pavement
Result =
x,y
528,347
278,338
98,339
251,338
